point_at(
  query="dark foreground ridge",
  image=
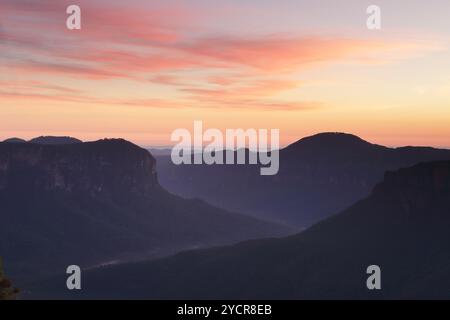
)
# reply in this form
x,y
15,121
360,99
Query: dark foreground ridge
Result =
x,y
403,227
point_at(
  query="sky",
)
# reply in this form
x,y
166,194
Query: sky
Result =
x,y
140,69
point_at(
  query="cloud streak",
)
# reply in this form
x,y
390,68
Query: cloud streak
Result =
x,y
155,45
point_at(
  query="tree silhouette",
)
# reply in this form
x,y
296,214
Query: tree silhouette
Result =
x,y
7,292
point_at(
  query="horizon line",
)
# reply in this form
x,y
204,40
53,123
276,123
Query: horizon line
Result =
x,y
283,146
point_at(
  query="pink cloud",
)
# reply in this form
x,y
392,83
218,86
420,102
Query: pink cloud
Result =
x,y
65,68
101,20
32,85
286,53
156,45
252,89
6,95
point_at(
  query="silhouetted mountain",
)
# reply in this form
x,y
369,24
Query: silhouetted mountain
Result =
x,y
89,203
160,152
15,140
55,140
319,176
403,227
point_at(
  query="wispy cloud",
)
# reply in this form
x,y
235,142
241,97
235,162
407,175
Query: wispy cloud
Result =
x,y
155,45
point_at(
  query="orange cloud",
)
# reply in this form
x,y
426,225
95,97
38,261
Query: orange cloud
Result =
x,y
276,54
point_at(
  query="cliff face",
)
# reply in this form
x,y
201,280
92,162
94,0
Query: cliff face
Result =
x,y
107,167
89,203
424,188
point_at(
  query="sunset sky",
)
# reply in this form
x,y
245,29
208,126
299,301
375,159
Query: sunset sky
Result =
x,y
141,69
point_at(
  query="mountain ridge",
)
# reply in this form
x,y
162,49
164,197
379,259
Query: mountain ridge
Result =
x,y
319,176
55,140
327,261
87,203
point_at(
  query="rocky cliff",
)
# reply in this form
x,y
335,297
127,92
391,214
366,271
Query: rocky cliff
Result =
x,y
90,203
107,167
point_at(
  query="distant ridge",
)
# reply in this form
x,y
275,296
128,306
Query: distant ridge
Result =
x,y
329,138
15,140
334,142
319,176
52,140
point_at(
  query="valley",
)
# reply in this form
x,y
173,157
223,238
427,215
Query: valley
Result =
x,y
318,177
402,227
